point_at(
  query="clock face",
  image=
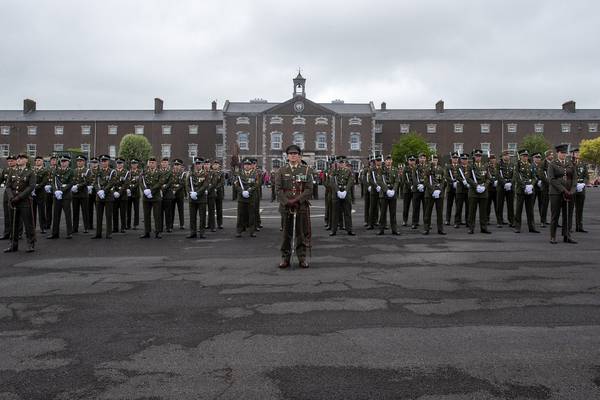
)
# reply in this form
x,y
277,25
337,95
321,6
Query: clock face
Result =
x,y
299,106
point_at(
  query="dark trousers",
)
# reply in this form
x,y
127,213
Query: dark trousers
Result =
x,y
579,201
133,205
461,202
219,207
91,209
537,193
153,207
406,200
212,209
22,215
177,203
509,197
328,204
119,213
341,210
388,205
101,207
373,208
451,196
493,205
7,217
166,215
246,216
545,201
59,207
418,199
528,201
39,210
367,204
476,202
197,209
49,209
80,203
558,205
439,210
302,227
273,194
256,210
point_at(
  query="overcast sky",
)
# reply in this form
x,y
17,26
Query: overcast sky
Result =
x,y
121,54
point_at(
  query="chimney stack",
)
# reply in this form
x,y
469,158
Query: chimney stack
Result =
x,y
439,106
569,106
214,105
158,105
28,106
383,106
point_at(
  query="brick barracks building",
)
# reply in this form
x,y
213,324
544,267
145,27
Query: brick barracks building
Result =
x,y
263,129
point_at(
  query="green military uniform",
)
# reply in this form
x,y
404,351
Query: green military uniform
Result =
x,y
462,193
42,181
167,196
151,184
373,176
20,183
247,189
493,191
505,191
329,199
133,196
545,192
197,182
258,195
435,180
82,178
524,181
104,183
365,193
536,165
120,197
407,190
418,195
62,181
341,183
452,179
92,191
579,201
6,173
220,196
50,195
179,181
388,196
478,179
563,177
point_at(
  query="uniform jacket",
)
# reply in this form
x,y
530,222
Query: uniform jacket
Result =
x,y
523,175
296,183
105,180
435,179
62,179
562,176
19,185
477,174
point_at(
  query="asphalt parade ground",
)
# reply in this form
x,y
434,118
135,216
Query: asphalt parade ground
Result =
x,y
455,317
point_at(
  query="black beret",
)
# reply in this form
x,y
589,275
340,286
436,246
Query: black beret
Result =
x,y
292,148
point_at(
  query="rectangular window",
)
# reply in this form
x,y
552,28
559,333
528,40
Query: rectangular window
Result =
x,y
31,150
593,128
243,141
32,130
193,129
59,130
432,147
486,148
112,151
512,147
166,129
378,128
485,128
85,149
321,142
538,128
511,128
298,140
5,130
565,128
58,147
139,129
165,150
192,150
458,148
276,141
219,150
431,128
112,129
4,150
355,142
404,128
86,129
459,128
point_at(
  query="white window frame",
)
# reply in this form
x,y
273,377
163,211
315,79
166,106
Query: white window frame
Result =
x,y
113,129
459,148
220,130
486,128
86,129
276,120
32,130
432,147
431,128
31,149
459,128
320,164
59,130
404,128
86,148
112,150
512,147
355,121
511,128
593,127
321,144
299,140
192,150
242,121
486,147
355,141
166,129
165,150
5,130
276,144
243,144
355,164
4,150
58,147
565,127
219,150
298,121
138,129
321,121
193,130
538,128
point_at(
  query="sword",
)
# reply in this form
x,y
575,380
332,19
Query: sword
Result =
x,y
293,244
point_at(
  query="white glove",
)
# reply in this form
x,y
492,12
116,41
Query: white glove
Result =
x,y
101,194
116,195
148,193
421,187
368,188
436,193
390,193
58,194
580,187
508,186
465,183
539,183
454,184
90,189
378,188
33,194
245,194
206,192
480,189
529,189
74,188
495,183
341,195
128,192
48,189
194,195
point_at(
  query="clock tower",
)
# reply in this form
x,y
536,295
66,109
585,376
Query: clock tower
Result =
x,y
299,85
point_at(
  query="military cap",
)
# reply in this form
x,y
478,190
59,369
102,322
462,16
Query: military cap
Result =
x,y
477,152
165,159
464,157
412,158
422,154
53,156
562,148
254,160
247,160
104,157
65,157
198,160
94,160
39,158
177,161
378,157
576,149
21,155
455,155
492,156
388,157
506,152
523,152
207,160
434,156
11,157
151,158
292,148
548,152
217,161
120,161
81,158
133,161
537,155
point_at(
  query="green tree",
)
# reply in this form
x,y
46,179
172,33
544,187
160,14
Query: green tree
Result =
x,y
412,143
535,143
135,146
590,150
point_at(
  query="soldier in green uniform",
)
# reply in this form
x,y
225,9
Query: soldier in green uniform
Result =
x,y
493,188
119,192
133,194
19,186
451,186
42,180
220,195
81,180
374,190
258,195
462,191
247,189
274,172
364,189
62,181
435,179
167,196
543,177
388,196
49,193
478,181
151,184
524,181
582,180
505,190
536,165
294,193
329,199
104,182
11,160
197,183
94,168
179,178
562,174
407,188
342,181
418,195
